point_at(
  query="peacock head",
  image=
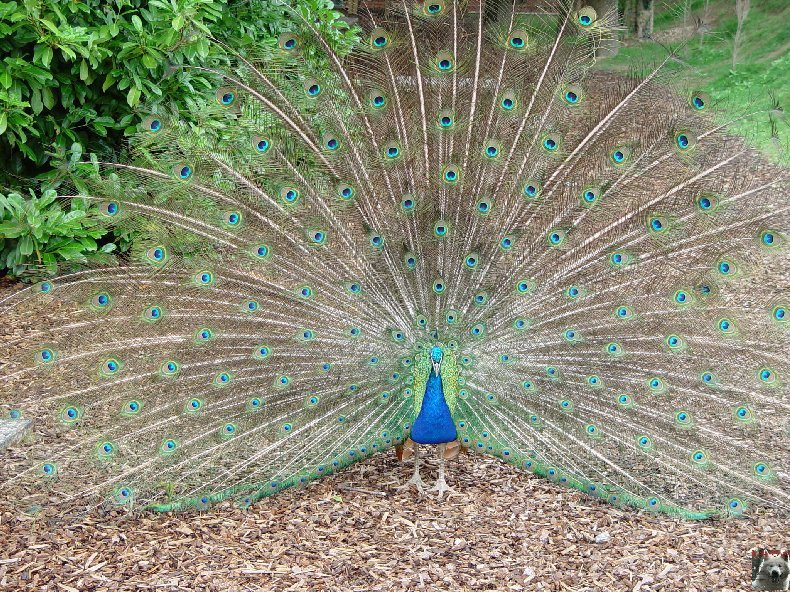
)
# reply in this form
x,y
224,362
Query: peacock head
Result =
x,y
436,358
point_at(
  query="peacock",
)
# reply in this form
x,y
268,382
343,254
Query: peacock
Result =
x,y
456,234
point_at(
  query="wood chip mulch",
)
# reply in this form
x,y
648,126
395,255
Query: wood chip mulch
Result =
x,y
502,530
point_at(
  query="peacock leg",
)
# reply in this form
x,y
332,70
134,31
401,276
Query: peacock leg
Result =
x,y
441,485
415,480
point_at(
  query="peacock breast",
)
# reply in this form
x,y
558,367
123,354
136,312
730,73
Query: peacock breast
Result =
x,y
434,423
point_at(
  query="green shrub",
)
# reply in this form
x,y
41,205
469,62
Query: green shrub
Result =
x,y
37,234
77,73
76,78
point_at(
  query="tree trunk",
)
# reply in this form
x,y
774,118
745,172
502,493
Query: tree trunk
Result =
x,y
644,19
742,11
704,24
629,17
606,9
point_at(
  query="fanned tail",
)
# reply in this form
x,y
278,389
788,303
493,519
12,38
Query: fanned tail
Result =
x,y
602,262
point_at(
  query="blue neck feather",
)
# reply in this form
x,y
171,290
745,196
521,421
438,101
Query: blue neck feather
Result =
x,y
434,424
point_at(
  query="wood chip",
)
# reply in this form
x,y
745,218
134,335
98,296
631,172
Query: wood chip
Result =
x,y
506,530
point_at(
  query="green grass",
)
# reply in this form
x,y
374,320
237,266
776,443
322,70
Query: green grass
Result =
x,y
760,80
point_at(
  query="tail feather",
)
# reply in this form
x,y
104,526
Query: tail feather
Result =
x,y
604,263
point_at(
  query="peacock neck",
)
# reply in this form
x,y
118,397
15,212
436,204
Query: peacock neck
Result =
x,y
434,423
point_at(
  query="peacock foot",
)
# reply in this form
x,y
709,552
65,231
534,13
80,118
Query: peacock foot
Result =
x,y
415,480
441,487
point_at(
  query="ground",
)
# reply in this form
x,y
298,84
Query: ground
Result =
x,y
504,530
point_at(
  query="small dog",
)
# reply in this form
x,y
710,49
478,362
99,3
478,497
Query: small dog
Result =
x,y
770,571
